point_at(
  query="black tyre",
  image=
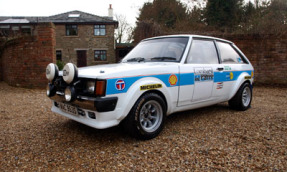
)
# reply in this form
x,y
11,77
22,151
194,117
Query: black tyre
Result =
x,y
146,118
242,99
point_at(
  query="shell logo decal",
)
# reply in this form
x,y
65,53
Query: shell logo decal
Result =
x,y
172,79
231,75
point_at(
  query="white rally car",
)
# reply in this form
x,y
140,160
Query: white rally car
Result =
x,y
160,76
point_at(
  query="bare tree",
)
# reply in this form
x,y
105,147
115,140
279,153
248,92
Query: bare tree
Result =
x,y
124,31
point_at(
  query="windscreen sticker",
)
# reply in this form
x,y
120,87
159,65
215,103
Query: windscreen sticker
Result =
x,y
239,60
150,87
203,74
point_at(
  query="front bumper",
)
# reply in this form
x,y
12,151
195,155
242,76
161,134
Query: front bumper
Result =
x,y
96,104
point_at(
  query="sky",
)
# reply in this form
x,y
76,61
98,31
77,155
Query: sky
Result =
x,y
128,8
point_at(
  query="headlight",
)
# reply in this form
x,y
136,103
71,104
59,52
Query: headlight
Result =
x,y
70,73
91,87
51,90
52,71
70,94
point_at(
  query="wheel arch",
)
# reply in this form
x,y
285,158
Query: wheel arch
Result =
x,y
134,94
240,81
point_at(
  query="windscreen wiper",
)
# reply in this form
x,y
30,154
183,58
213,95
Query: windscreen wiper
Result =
x,y
136,59
163,58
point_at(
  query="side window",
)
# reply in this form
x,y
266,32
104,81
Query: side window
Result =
x,y
202,52
228,54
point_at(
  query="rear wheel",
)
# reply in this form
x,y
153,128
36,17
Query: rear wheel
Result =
x,y
146,118
242,99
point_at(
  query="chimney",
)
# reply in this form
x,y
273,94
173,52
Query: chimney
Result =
x,y
111,12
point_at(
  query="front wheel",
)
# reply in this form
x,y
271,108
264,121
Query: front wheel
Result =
x,y
242,99
146,118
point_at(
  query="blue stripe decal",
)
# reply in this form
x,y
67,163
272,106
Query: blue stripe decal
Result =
x,y
186,79
182,79
111,83
228,75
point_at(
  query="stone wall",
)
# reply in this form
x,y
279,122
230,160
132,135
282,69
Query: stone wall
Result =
x,y
268,55
85,40
24,59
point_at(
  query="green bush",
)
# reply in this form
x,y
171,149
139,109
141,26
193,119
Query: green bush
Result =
x,y
60,64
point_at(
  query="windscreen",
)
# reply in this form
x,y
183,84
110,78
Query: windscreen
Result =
x,y
161,49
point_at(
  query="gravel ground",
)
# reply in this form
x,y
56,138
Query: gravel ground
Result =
x,y
214,138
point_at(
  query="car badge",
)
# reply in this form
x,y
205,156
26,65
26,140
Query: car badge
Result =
x,y
120,84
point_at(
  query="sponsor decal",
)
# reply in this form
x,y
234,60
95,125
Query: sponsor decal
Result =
x,y
252,74
203,74
219,85
150,87
230,76
172,79
247,77
227,68
120,84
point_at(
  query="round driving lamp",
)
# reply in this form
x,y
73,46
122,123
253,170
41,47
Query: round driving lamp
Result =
x,y
70,73
70,94
50,90
52,72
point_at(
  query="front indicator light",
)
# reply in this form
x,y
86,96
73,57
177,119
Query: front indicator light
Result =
x,y
100,88
70,94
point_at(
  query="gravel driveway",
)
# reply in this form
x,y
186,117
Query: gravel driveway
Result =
x,y
214,138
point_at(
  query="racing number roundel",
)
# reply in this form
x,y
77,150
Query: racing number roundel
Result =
x,y
172,79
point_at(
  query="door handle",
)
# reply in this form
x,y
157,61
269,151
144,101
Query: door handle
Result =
x,y
220,69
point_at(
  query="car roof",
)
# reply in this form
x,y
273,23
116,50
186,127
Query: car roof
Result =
x,y
190,36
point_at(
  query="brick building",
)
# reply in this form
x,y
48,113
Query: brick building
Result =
x,y
81,38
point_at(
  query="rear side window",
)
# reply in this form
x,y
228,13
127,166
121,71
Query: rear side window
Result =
x,y
202,52
228,54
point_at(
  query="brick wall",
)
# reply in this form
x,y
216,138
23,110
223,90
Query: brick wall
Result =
x,y
268,55
24,60
85,40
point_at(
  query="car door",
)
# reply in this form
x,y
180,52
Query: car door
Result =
x,y
197,74
233,65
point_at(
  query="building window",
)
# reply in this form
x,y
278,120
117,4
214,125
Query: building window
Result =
x,y
4,30
59,55
26,30
71,30
100,30
100,55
